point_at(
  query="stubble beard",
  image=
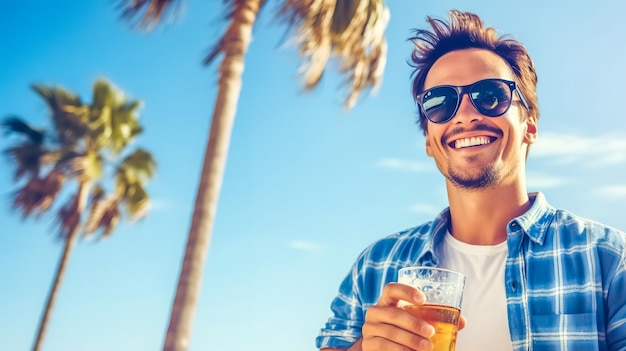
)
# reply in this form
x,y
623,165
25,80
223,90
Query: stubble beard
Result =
x,y
484,178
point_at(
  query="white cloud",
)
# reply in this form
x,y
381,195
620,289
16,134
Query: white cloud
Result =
x,y
426,209
612,191
404,165
159,204
305,245
592,150
542,180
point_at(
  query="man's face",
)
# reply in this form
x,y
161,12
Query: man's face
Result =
x,y
471,150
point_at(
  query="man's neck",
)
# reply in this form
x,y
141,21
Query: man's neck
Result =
x,y
480,217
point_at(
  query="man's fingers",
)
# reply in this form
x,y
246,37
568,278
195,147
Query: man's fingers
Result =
x,y
399,318
462,322
382,336
396,292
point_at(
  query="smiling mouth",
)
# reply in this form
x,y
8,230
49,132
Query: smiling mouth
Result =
x,y
473,141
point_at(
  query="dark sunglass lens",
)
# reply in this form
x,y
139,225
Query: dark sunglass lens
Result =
x,y
439,104
491,97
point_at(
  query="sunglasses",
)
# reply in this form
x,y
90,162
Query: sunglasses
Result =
x,y
491,97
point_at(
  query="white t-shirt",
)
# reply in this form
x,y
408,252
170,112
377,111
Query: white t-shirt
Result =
x,y
484,297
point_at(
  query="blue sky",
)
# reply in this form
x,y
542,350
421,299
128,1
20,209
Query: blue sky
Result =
x,y
307,185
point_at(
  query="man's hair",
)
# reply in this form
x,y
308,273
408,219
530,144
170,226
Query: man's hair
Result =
x,y
465,30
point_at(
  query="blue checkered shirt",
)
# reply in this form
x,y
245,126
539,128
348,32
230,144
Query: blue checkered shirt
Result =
x,y
565,281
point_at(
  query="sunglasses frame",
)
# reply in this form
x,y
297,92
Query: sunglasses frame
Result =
x,y
467,89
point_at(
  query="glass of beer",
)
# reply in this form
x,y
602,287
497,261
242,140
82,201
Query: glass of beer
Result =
x,y
444,292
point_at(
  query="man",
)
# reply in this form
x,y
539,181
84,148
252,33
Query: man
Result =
x,y
538,278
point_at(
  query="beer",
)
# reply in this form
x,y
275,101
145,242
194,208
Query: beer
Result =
x,y
444,319
443,290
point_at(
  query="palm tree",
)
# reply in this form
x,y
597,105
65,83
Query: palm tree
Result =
x,y
351,30
84,144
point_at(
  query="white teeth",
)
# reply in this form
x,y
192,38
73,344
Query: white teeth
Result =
x,y
467,142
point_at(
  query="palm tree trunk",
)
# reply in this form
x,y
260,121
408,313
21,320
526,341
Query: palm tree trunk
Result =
x,y
60,273
236,42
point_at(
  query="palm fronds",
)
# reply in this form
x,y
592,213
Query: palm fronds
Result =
x,y
38,194
14,124
351,30
84,139
146,13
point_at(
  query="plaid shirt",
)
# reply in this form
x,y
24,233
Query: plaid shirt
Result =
x,y
565,281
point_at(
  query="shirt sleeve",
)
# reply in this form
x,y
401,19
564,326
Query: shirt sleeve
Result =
x,y
376,266
616,307
348,315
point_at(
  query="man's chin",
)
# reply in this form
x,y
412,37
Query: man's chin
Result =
x,y
477,181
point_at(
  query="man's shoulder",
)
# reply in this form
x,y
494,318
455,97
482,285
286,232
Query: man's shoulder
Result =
x,y
544,222
408,242
588,230
572,221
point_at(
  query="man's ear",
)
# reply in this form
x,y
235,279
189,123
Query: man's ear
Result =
x,y
531,131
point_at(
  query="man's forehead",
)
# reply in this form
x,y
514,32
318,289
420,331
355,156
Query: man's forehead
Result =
x,y
463,67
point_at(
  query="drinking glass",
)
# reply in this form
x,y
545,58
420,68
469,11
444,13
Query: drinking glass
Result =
x,y
444,292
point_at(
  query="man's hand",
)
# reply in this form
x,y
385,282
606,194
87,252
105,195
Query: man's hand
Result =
x,y
391,328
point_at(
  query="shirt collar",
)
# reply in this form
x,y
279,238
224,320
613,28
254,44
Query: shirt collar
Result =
x,y
534,223
537,219
439,227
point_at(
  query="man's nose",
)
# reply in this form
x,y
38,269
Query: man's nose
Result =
x,y
467,113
